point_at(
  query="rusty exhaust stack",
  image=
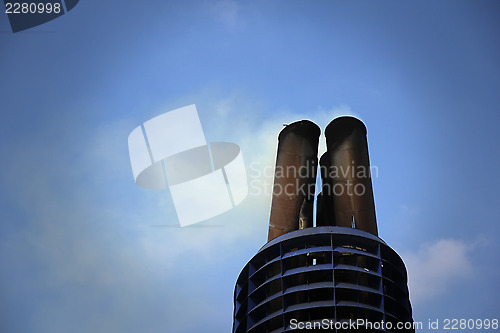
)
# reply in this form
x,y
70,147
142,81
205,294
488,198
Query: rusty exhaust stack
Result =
x,y
348,179
294,178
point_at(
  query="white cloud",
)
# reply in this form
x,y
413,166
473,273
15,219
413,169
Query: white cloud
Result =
x,y
436,267
227,12
87,238
239,118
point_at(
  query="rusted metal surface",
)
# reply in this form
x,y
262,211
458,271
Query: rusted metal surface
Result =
x,y
350,193
295,177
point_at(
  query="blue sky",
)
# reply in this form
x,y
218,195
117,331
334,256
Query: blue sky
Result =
x,y
83,249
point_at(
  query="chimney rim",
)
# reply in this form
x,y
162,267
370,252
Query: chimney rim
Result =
x,y
342,125
305,128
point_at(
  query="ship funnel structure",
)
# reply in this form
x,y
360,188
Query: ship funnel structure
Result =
x,y
346,197
337,271
294,178
346,176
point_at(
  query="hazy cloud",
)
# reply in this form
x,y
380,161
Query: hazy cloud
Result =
x,y
435,267
226,11
89,253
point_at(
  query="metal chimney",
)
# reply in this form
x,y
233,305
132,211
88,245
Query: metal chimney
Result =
x,y
294,178
348,188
